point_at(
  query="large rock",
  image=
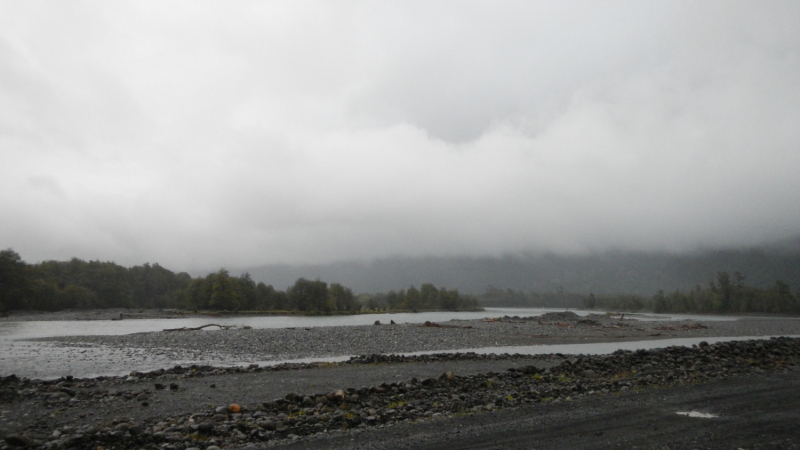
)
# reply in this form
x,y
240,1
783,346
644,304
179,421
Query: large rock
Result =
x,y
18,441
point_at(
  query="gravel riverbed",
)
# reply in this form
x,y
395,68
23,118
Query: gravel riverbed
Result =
x,y
280,344
204,407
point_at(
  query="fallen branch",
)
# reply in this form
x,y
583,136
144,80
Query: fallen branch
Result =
x,y
428,323
221,327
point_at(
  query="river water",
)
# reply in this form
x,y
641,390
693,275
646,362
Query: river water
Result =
x,y
35,329
45,360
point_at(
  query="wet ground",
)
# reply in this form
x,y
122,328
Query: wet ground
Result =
x,y
646,418
754,412
94,355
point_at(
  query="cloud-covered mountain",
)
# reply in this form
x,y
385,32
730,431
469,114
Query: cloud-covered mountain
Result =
x,y
602,273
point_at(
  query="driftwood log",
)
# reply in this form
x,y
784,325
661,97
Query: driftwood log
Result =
x,y
221,327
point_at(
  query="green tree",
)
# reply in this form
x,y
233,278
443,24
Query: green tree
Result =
x,y
46,296
429,297
224,295
247,292
79,297
198,294
265,295
393,301
448,300
342,298
412,299
306,295
724,290
15,281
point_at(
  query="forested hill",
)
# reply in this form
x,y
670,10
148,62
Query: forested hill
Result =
x,y
82,284
602,273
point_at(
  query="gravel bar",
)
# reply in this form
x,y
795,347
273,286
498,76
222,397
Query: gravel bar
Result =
x,y
238,345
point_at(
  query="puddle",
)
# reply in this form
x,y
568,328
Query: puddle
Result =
x,y
697,414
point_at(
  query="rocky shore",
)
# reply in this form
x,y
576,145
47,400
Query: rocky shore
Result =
x,y
204,407
318,414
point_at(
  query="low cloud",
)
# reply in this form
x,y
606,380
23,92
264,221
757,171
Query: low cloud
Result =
x,y
201,135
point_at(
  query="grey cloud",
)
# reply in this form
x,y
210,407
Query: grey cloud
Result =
x,y
205,134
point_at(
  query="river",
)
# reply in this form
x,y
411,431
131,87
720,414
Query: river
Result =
x,y
35,359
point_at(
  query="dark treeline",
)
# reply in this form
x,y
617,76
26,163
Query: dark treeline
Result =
x,y
78,284
427,297
518,298
727,294
730,294
221,291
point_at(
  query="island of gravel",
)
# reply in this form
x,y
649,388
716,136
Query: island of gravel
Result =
x,y
205,407
219,347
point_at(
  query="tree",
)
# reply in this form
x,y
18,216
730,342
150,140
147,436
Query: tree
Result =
x,y
372,304
198,294
224,295
248,295
590,302
342,298
448,300
306,295
79,297
265,300
412,299
14,280
393,301
724,290
429,296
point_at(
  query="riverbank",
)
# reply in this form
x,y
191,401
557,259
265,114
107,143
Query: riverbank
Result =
x,y
209,408
189,406
123,352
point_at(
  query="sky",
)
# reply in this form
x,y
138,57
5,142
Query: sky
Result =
x,y
205,134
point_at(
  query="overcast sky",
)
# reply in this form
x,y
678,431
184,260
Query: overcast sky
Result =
x,y
207,134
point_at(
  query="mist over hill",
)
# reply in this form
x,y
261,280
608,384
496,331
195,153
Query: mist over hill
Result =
x,y
611,272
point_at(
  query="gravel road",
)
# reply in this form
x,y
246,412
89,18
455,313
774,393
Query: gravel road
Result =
x,y
753,412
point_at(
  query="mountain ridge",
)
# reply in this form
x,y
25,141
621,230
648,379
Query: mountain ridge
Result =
x,y
609,272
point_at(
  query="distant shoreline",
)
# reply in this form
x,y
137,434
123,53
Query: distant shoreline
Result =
x,y
137,313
